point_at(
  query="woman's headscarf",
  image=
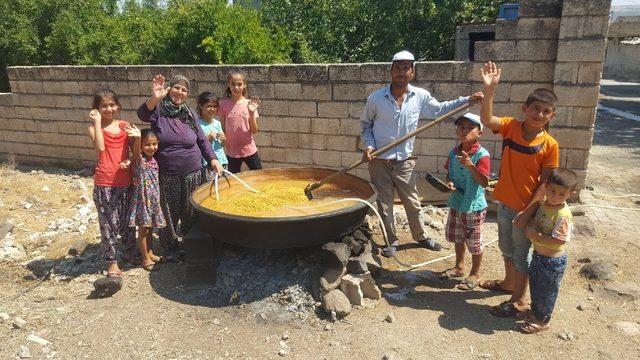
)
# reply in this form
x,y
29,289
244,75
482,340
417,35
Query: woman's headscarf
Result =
x,y
180,112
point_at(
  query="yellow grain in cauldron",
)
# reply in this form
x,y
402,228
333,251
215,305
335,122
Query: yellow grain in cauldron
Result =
x,y
276,198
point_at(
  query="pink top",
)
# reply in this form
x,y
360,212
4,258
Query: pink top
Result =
x,y
236,128
116,150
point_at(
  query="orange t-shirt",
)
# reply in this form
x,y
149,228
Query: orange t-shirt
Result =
x,y
116,150
522,163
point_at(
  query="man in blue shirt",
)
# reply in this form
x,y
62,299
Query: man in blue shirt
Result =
x,y
390,113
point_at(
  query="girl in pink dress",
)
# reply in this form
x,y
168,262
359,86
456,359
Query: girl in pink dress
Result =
x,y
239,119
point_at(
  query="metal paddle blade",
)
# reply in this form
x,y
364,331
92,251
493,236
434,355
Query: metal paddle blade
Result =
x,y
309,188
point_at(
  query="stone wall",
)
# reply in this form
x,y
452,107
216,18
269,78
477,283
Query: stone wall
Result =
x,y
310,113
623,50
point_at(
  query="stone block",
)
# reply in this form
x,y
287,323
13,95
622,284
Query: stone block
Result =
x,y
341,143
426,162
287,91
262,138
506,29
434,70
538,28
515,71
580,96
316,91
450,91
299,156
350,286
295,124
463,71
303,108
501,94
370,88
540,8
349,158
584,26
318,142
271,123
331,278
566,72
437,146
583,117
327,158
356,109
350,127
376,72
305,140
333,109
348,92
263,90
563,116
284,140
431,133
344,72
586,7
312,73
33,87
255,73
572,138
325,126
520,92
543,71
590,73
274,108
283,73
589,50
577,159
495,50
335,255
537,49
272,154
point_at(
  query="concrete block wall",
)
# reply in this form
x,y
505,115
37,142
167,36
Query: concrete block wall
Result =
x,y
310,113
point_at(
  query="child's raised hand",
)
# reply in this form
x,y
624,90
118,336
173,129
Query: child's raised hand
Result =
x,y
95,115
490,75
254,102
464,159
132,130
158,90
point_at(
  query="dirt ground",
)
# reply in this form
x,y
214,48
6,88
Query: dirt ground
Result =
x,y
156,316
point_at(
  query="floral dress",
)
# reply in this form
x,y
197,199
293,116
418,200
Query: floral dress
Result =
x,y
146,196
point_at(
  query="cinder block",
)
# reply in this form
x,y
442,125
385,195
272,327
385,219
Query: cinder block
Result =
x,y
577,159
341,143
319,141
543,71
433,132
590,73
540,8
287,91
583,117
284,140
34,87
501,94
537,49
255,73
263,90
506,29
520,92
581,96
274,108
348,92
516,71
376,72
590,50
272,154
464,71
584,26
333,109
312,73
450,91
572,138
356,109
22,112
316,91
325,126
495,50
427,163
586,7
566,72
438,147
371,88
350,127
538,28
295,124
283,73
349,158
434,70
262,138
271,123
77,73
305,140
299,156
344,72
563,116
327,158
303,108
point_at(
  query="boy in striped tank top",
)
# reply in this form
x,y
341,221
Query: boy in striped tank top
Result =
x,y
468,169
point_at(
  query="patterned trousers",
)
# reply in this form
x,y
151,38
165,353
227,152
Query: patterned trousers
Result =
x,y
113,205
175,191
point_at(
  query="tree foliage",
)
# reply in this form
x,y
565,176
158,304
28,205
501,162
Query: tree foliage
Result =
x,y
40,32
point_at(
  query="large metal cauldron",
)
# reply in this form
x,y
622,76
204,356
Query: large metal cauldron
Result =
x,y
283,232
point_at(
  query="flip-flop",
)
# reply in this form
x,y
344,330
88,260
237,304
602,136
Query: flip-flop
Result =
x,y
505,310
494,285
450,274
532,327
467,284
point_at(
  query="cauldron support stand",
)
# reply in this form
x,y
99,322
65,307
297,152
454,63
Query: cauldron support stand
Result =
x,y
202,257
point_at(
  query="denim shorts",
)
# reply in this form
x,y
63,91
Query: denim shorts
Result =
x,y
545,275
513,244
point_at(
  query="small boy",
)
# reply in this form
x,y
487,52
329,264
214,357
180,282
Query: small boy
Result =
x,y
468,168
549,231
529,154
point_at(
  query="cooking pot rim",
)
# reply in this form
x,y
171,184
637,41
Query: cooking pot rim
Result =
x,y
257,219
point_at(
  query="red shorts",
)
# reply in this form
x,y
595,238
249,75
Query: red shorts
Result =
x,y
465,228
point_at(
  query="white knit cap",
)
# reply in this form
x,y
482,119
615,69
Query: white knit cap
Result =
x,y
471,117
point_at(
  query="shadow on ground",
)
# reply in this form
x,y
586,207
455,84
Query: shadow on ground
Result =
x,y
613,130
